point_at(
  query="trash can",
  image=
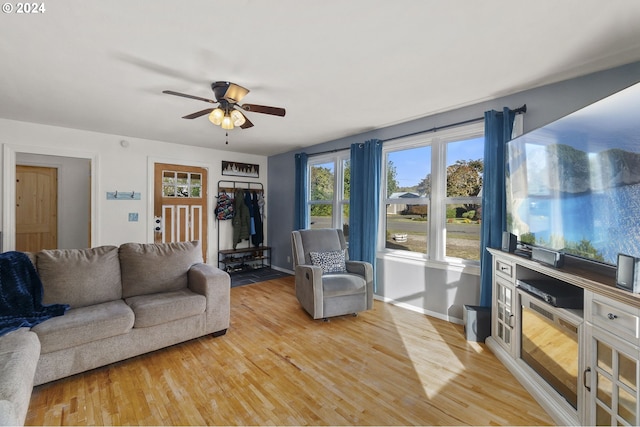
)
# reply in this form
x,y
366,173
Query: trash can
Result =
x,y
477,322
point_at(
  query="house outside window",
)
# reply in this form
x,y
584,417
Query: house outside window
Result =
x,y
432,201
329,191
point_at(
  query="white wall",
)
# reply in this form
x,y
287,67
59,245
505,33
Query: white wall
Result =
x,y
437,289
114,167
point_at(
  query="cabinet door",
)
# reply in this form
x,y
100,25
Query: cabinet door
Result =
x,y
503,314
612,394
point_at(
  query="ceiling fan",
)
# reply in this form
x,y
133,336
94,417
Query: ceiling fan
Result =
x,y
229,113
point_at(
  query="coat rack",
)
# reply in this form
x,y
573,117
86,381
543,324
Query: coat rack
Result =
x,y
123,195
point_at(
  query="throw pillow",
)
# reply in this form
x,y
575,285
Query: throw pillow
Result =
x,y
330,262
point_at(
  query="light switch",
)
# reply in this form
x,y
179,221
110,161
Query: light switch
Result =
x,y
133,217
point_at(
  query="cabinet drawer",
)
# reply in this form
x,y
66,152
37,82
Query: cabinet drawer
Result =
x,y
504,269
616,318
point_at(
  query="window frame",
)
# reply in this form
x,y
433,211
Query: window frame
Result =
x,y
338,201
437,202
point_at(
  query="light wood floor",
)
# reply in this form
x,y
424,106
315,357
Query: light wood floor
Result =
x,y
388,366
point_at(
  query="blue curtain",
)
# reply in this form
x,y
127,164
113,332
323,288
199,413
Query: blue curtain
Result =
x,y
497,131
366,168
301,214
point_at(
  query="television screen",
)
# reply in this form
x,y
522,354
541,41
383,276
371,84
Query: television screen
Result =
x,y
574,185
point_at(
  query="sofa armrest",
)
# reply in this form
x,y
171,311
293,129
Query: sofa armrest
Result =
x,y
19,354
8,416
215,285
365,270
309,288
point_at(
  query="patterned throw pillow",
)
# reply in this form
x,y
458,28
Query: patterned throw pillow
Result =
x,y
330,262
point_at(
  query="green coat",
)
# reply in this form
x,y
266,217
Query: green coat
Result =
x,y
241,219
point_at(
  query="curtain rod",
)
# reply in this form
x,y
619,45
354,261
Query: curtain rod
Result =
x,y
520,110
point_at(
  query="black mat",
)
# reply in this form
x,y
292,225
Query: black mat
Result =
x,y
255,276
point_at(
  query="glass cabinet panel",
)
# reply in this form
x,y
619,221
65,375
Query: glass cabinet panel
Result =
x,y
627,371
605,390
604,357
616,383
603,417
504,314
627,406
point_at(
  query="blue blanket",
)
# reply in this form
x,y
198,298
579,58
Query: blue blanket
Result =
x,y
21,294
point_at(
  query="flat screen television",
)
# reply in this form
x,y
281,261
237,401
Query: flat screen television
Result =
x,y
573,186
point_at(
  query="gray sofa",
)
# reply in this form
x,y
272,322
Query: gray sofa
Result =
x,y
123,302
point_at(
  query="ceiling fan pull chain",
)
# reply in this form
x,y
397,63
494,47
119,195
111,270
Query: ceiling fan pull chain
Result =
x,y
227,135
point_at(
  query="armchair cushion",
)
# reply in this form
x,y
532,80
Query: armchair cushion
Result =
x,y
330,262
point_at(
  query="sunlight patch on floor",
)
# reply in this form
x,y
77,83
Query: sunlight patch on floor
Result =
x,y
442,366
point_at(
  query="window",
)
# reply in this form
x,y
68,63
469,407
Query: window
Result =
x,y
181,184
463,199
329,191
408,196
433,194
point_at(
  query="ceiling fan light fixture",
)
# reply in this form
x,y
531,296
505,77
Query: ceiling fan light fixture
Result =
x,y
238,118
216,116
235,92
227,123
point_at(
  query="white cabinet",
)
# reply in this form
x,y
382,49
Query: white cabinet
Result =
x,y
613,353
504,305
608,360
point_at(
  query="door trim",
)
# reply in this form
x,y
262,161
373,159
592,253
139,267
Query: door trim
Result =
x,y
9,152
211,225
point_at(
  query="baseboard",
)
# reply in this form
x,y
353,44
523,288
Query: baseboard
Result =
x,y
283,270
430,313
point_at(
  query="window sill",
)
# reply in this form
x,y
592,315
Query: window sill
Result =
x,y
468,267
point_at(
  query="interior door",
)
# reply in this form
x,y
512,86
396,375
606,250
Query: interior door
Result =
x,y
36,208
180,204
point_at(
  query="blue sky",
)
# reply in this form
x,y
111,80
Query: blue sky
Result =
x,y
413,165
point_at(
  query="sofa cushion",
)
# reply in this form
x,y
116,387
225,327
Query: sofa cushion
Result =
x,y
154,309
84,324
19,353
149,268
80,277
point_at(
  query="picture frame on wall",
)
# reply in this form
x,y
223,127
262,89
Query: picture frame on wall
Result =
x,y
247,170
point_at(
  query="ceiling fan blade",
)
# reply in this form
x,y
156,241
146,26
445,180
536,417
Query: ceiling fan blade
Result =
x,y
275,111
247,124
198,114
184,95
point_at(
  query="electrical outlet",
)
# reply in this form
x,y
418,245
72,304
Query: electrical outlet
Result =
x,y
288,258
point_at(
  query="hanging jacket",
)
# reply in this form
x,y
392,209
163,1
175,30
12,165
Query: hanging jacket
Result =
x,y
240,219
258,237
247,201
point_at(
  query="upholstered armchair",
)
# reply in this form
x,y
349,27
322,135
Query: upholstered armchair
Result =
x,y
327,283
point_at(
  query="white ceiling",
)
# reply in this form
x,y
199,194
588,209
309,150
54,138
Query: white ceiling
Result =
x,y
339,67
